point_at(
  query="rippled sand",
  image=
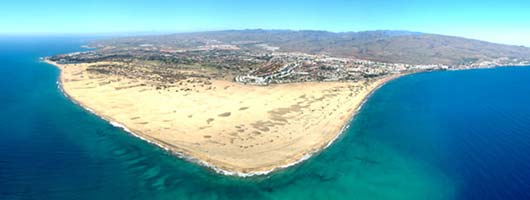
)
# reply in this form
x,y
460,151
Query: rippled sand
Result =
x,y
233,128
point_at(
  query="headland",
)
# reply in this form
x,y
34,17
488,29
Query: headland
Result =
x,y
233,128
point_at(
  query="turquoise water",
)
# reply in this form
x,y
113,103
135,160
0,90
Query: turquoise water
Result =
x,y
440,135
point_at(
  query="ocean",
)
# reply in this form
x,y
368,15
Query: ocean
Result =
x,y
436,135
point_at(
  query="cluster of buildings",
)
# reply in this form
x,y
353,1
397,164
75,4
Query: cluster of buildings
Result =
x,y
299,67
259,67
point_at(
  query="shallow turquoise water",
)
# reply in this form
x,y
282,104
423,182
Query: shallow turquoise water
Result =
x,y
424,136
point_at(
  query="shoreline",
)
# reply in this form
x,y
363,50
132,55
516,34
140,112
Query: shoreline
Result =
x,y
218,168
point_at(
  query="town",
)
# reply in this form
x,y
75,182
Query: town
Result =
x,y
247,63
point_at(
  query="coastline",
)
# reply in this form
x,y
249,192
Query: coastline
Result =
x,y
220,167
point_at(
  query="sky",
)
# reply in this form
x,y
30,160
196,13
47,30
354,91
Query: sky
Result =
x,y
506,21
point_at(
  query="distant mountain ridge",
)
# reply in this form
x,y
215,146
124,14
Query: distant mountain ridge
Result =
x,y
382,45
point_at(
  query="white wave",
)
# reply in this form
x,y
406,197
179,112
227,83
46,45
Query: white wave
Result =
x,y
212,166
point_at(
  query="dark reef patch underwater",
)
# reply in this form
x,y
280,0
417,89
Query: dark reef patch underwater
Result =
x,y
438,135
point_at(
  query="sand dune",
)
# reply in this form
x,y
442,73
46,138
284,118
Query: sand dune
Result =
x,y
236,128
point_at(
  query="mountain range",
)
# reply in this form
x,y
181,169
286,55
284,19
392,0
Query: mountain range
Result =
x,y
383,45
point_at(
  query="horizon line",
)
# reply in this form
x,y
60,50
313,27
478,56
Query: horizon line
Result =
x,y
169,32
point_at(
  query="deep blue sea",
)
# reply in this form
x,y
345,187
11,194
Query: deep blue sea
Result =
x,y
437,135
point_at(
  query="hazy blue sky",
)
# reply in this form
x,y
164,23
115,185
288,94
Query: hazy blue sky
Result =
x,y
505,21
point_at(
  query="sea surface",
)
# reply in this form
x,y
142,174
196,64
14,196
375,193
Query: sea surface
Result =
x,y
438,135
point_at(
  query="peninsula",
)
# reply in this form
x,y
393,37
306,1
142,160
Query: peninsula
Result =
x,y
248,102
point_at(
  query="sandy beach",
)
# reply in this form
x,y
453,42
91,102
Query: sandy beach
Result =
x,y
233,128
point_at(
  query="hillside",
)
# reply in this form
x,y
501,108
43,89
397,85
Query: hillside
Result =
x,y
384,46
